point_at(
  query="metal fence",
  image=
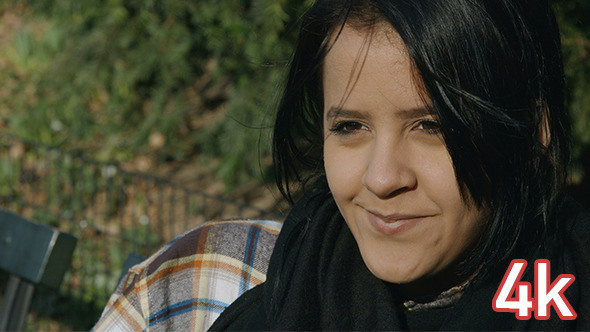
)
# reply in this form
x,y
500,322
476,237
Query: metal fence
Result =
x,y
112,212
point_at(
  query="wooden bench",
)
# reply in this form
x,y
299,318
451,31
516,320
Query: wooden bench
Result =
x,y
32,254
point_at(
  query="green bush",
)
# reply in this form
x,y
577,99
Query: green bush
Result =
x,y
574,20
108,76
173,79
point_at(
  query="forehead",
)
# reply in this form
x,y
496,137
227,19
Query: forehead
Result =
x,y
355,39
368,63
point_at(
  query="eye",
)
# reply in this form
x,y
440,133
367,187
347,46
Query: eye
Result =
x,y
347,127
429,126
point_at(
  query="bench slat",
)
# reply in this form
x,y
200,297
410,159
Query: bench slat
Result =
x,y
34,252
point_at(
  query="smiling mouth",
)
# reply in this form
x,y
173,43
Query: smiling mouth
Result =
x,y
397,217
394,223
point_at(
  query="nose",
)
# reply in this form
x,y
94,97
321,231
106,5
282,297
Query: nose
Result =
x,y
388,172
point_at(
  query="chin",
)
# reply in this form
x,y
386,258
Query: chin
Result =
x,y
398,274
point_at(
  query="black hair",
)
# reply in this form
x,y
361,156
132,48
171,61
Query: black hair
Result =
x,y
492,71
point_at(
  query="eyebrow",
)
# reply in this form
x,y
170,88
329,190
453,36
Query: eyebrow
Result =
x,y
335,112
414,113
406,114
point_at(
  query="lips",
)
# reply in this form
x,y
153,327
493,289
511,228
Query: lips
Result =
x,y
394,223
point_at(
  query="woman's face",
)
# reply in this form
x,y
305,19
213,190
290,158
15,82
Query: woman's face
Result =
x,y
387,165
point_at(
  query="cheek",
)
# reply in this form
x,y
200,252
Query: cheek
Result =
x,y
334,165
439,183
460,217
438,179
344,169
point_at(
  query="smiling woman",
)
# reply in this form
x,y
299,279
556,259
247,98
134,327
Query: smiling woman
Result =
x,y
436,135
430,142
388,168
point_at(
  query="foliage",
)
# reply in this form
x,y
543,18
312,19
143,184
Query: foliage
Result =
x,y
172,79
574,20
121,78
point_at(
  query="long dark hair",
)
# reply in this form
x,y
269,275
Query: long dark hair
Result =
x,y
493,72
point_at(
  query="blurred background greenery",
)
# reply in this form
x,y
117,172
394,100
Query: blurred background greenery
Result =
x,y
119,79
574,20
150,83
169,80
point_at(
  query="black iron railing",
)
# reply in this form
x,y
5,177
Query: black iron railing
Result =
x,y
111,211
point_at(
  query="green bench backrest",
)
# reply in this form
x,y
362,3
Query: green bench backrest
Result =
x,y
34,252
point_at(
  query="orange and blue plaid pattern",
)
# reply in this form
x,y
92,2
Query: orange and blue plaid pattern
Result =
x,y
191,280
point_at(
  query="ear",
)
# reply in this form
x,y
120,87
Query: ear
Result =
x,y
544,134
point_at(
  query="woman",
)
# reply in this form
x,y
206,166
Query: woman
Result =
x,y
437,137
435,141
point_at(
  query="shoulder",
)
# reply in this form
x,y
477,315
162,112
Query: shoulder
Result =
x,y
227,241
193,278
575,248
247,313
576,222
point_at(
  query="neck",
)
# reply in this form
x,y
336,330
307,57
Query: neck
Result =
x,y
430,287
